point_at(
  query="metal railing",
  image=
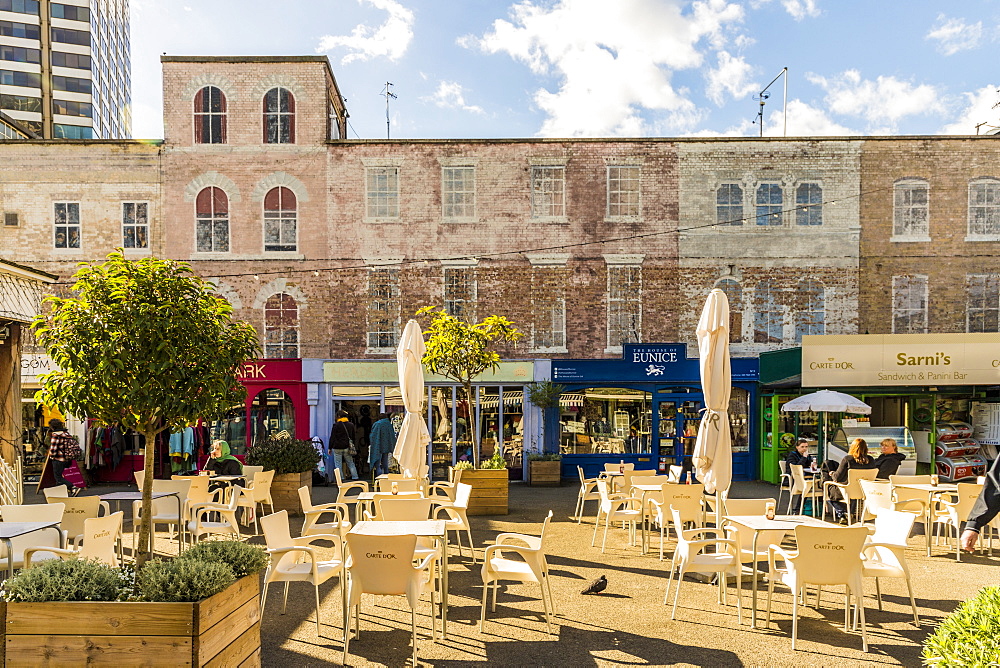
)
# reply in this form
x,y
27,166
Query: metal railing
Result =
x,y
11,487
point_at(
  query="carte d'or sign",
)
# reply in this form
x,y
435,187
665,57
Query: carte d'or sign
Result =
x,y
900,359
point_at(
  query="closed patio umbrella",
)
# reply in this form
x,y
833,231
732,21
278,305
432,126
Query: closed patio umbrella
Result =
x,y
411,444
713,456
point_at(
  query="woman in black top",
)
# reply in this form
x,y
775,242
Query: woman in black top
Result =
x,y
221,462
890,459
857,458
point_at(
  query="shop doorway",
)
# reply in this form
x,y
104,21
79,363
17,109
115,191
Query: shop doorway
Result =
x,y
677,419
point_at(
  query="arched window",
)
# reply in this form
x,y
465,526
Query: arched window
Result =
x,y
734,293
768,317
809,204
210,116
810,317
279,220
212,221
279,117
729,204
281,327
769,204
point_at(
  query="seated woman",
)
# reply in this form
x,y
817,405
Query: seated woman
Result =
x,y
857,458
221,462
890,459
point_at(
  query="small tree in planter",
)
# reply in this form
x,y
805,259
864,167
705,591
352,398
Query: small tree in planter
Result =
x,y
461,351
147,345
545,394
489,482
292,461
544,470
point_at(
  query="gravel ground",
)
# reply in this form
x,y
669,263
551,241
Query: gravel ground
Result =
x,y
627,624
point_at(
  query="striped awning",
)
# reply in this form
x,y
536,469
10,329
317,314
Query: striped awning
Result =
x,y
509,399
570,400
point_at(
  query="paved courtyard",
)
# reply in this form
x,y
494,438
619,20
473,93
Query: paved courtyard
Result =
x,y
627,624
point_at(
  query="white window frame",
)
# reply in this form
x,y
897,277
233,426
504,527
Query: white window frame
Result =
x,y
627,298
991,301
729,221
392,310
296,328
467,298
900,210
778,310
281,217
548,173
389,209
67,225
987,208
806,209
898,311
818,325
633,209
556,308
468,208
229,225
775,211
135,203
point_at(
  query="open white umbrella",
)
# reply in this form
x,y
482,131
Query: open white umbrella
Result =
x,y
411,444
713,452
826,401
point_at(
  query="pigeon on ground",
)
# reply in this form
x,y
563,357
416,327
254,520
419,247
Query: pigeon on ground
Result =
x,y
597,586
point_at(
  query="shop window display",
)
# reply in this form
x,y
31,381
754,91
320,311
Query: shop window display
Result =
x,y
271,412
608,420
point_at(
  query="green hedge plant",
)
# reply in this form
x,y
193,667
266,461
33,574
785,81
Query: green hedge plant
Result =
x,y
544,457
183,580
284,454
242,558
70,580
494,463
969,636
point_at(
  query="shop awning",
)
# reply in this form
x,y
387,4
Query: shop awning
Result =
x,y
781,368
509,399
571,400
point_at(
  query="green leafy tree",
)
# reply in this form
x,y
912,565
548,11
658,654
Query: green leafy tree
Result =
x,y
146,345
460,351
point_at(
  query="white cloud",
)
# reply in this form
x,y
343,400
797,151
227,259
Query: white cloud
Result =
x,y
798,9
881,102
450,95
805,121
612,62
979,109
954,35
731,76
390,39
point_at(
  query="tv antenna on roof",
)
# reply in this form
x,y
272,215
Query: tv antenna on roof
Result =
x,y
764,95
388,95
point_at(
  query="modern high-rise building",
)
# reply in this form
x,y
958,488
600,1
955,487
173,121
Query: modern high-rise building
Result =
x,y
64,67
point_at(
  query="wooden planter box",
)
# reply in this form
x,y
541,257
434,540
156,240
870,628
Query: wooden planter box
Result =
x,y
489,490
223,630
285,491
544,473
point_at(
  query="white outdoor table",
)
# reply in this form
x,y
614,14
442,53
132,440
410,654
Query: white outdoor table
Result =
x,y
10,530
424,528
931,491
646,488
137,496
758,523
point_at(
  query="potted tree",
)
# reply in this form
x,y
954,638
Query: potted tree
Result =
x,y
293,461
146,345
544,470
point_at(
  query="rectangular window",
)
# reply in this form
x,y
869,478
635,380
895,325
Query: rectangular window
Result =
x,y
909,304
458,192
769,204
25,79
61,131
67,225
460,292
21,103
910,209
624,305
548,192
983,310
20,6
383,307
72,108
729,204
67,36
22,30
548,308
75,60
70,12
984,208
383,192
18,54
623,191
72,84
809,204
135,224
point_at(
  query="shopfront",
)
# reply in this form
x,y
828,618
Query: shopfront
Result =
x,y
644,408
924,386
500,413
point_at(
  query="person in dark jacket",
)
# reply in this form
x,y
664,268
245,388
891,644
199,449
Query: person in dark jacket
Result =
x,y
342,434
857,458
987,507
221,462
381,444
888,462
798,456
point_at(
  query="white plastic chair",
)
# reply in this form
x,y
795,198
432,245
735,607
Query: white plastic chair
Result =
x,y
689,556
850,491
878,497
687,499
910,479
249,471
225,525
458,519
802,487
76,510
383,566
99,542
785,480
371,511
826,556
56,492
675,471
289,563
885,554
340,524
165,508
587,492
532,567
402,485
257,494
198,492
615,509
345,489
955,513
33,512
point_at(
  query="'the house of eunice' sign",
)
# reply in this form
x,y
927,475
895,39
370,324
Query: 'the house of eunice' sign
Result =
x,y
900,359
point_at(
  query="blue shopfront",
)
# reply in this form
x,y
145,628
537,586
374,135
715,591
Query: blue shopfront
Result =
x,y
644,408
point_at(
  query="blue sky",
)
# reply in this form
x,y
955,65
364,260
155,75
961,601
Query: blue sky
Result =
x,y
607,68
